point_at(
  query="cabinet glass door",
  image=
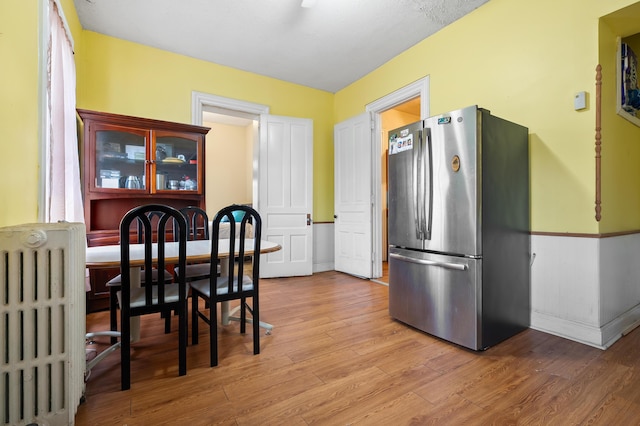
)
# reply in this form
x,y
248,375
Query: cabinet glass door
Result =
x,y
120,158
177,163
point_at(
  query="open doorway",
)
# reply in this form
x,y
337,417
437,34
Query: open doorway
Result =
x,y
270,133
217,111
419,92
397,116
229,157
358,209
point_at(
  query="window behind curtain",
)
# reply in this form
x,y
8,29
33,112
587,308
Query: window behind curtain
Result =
x,y
63,195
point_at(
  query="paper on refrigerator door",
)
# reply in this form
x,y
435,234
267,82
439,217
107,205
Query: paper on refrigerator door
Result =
x,y
399,144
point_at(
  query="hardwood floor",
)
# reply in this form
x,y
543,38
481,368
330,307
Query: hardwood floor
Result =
x,y
335,357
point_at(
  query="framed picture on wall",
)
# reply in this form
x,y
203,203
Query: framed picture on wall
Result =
x,y
628,96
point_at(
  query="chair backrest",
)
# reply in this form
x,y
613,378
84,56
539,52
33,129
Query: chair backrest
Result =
x,y
197,221
154,217
238,245
141,218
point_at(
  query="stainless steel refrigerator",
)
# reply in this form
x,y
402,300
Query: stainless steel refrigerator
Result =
x,y
459,222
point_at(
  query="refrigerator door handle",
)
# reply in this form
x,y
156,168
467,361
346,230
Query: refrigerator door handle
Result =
x,y
446,265
415,183
427,171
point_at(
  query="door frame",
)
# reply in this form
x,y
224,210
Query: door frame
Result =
x,y
417,88
200,101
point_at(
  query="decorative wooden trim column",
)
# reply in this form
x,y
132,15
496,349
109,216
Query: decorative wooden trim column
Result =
x,y
598,139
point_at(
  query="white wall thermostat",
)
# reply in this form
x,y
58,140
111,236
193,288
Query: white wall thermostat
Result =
x,y
580,101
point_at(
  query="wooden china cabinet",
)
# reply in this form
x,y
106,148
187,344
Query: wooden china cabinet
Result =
x,y
130,161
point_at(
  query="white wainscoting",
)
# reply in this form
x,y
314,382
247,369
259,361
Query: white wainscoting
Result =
x,y
323,247
585,289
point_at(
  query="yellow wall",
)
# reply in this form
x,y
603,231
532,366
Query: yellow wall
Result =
x,y
499,56
228,155
502,58
19,106
18,111
620,138
127,78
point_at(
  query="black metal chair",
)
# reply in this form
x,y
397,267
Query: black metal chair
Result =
x,y
114,284
164,295
198,222
232,283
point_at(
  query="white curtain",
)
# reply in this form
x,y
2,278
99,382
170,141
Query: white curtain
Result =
x,y
63,192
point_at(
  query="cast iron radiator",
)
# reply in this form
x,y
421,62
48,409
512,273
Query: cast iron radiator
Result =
x,y
42,323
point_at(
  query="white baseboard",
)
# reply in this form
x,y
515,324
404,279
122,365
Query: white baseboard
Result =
x,y
620,326
598,337
322,267
571,330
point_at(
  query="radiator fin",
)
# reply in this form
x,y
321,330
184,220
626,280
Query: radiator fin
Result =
x,y
42,323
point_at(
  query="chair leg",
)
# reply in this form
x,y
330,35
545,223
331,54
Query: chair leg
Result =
x,y
256,326
125,351
182,339
113,312
194,318
243,315
167,322
213,333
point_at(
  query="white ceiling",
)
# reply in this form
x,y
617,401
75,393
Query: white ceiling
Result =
x,y
327,46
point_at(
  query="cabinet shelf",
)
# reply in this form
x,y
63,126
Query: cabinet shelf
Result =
x,y
111,161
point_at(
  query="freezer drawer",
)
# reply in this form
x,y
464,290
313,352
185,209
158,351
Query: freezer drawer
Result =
x,y
437,294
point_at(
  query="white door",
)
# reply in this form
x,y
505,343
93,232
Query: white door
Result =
x,y
353,196
285,194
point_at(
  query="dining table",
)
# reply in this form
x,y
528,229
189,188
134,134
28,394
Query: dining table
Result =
x,y
198,251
